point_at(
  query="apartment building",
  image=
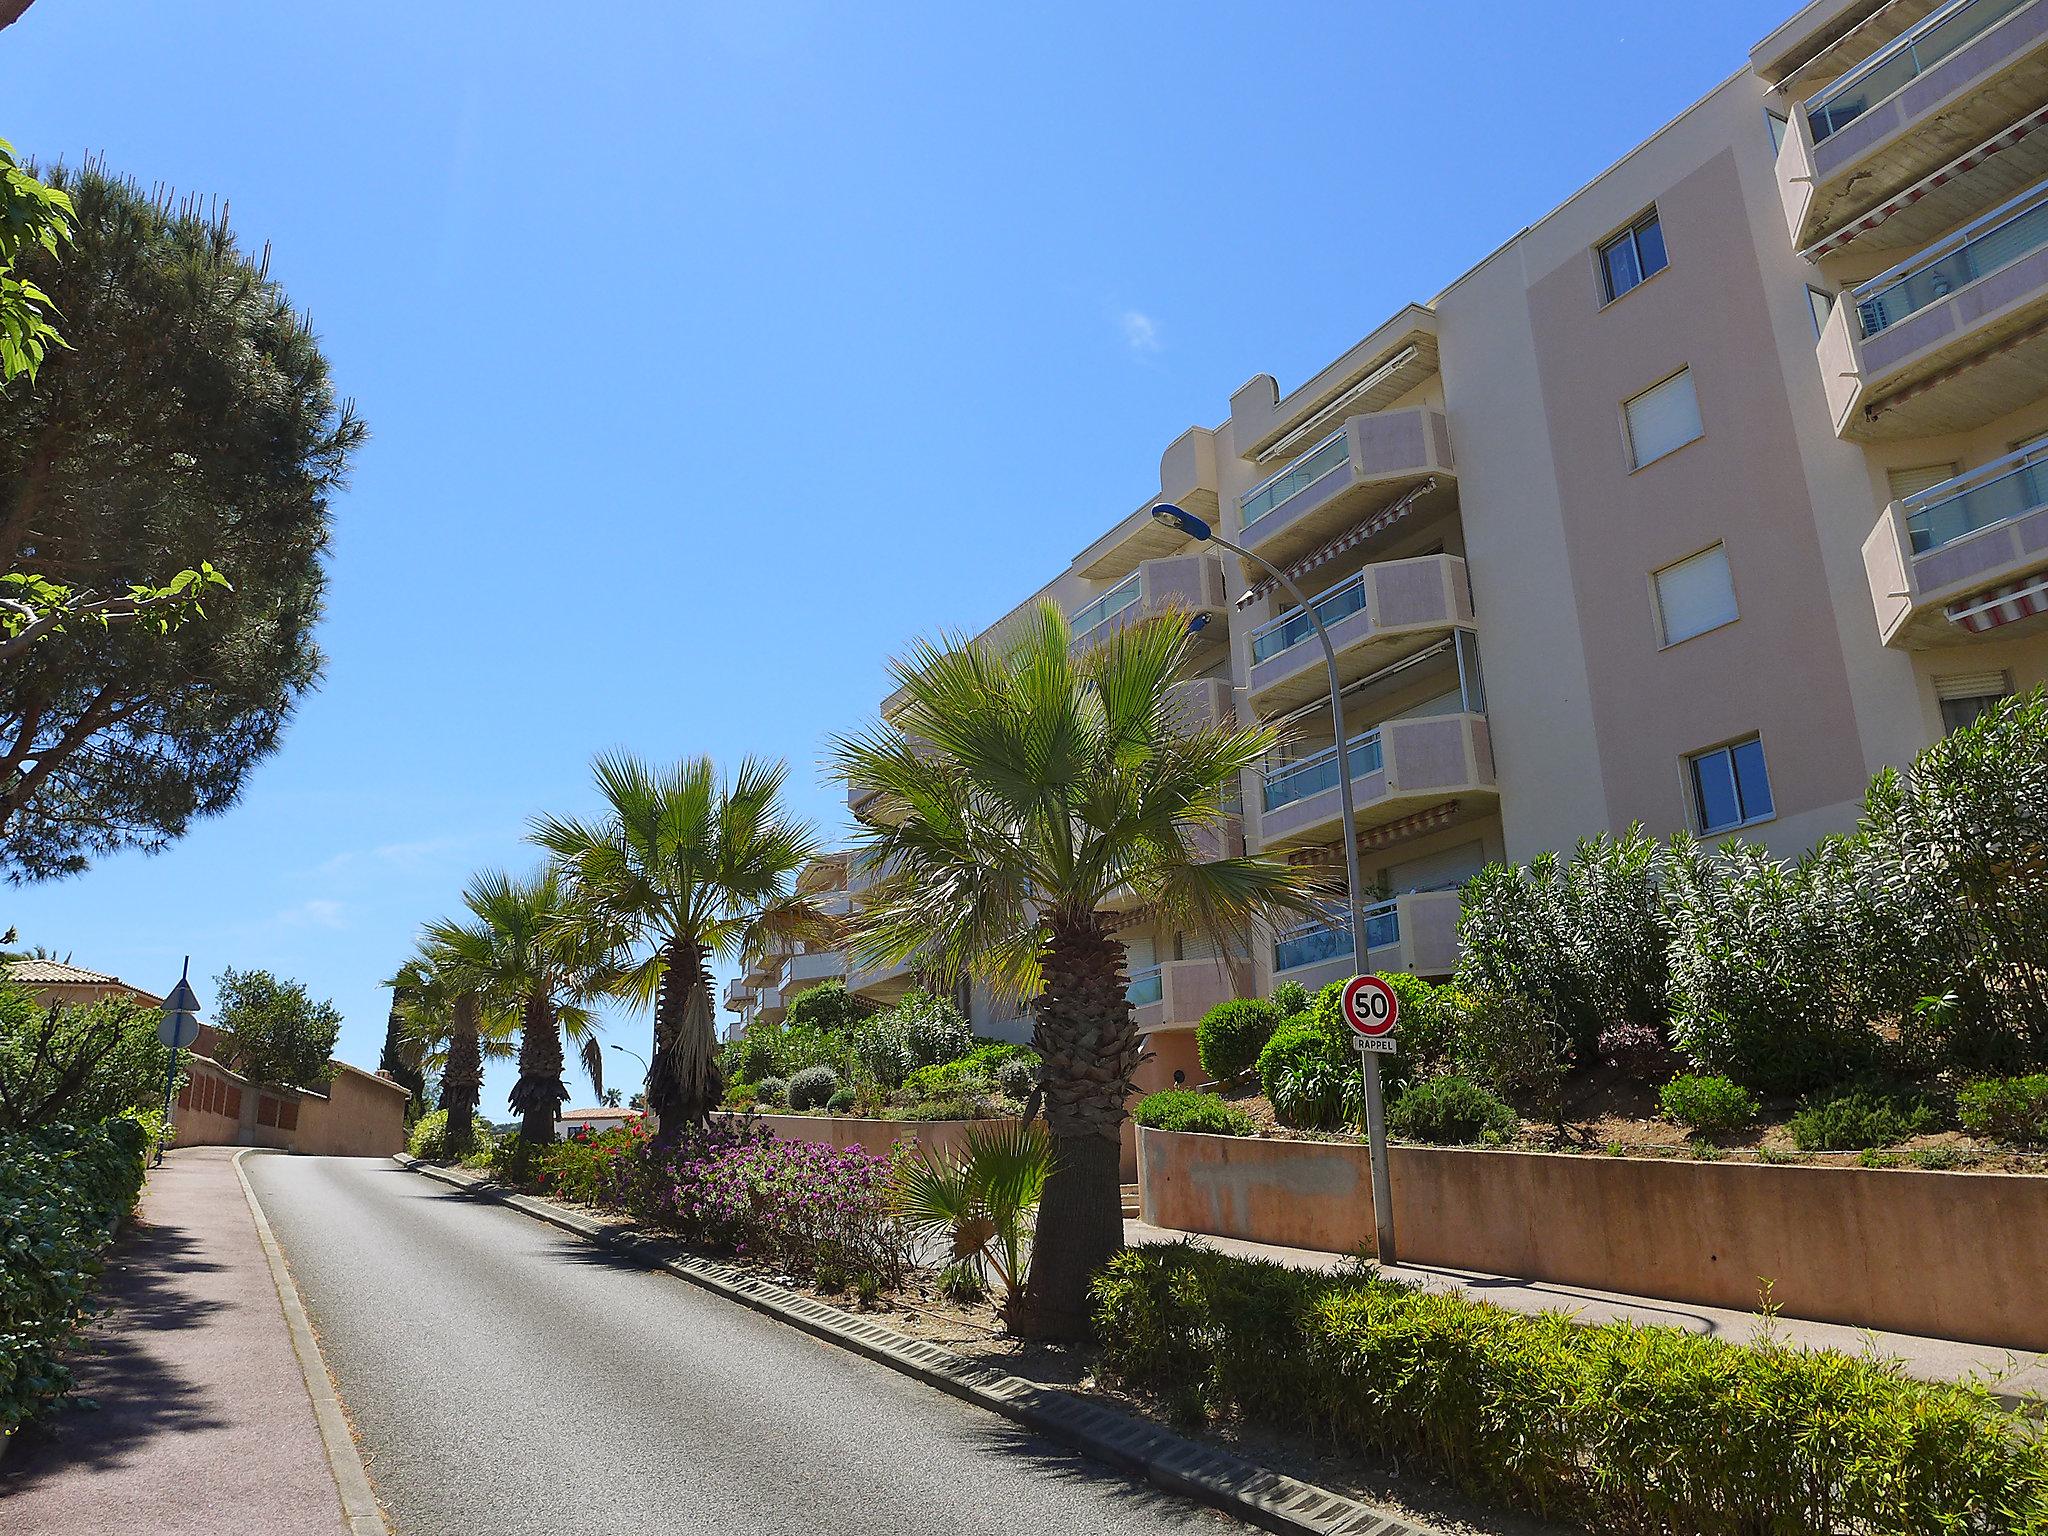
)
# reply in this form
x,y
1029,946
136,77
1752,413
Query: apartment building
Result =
x,y
763,990
1707,495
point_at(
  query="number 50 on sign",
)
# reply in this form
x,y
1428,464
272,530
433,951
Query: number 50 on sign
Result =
x,y
1371,1010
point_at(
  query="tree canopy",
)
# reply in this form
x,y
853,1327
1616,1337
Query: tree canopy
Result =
x,y
271,1031
189,426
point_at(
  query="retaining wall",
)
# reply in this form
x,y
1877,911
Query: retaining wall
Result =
x,y
878,1136
1947,1255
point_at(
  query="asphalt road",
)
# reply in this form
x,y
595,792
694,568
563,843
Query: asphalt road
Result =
x,y
504,1377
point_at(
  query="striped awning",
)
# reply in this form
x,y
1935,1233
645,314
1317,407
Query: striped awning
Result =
x,y
1436,817
1983,612
1848,233
1350,539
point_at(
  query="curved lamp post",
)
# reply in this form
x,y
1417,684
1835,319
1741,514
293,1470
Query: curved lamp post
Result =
x,y
1375,1109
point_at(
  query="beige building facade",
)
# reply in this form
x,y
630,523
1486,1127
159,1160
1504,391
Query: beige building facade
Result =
x,y
1709,494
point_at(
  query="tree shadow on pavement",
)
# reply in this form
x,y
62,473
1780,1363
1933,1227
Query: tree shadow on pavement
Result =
x,y
1054,1463
126,1393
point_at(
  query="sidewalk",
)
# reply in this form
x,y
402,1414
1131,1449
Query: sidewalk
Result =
x,y
203,1424
2012,1376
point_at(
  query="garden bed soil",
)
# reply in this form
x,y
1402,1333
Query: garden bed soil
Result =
x,y
1607,1112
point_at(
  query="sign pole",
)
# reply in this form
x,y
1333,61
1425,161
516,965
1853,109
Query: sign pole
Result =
x,y
179,1029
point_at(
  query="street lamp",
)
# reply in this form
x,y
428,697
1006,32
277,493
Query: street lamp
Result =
x,y
1375,1110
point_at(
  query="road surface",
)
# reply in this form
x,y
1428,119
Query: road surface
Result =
x,y
505,1377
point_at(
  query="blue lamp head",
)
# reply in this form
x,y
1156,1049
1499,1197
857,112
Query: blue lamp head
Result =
x,y
1189,524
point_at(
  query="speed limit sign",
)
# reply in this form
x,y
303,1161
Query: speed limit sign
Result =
x,y
1371,1010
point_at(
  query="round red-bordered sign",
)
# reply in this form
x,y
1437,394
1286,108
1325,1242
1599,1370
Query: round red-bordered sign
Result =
x,y
1370,1007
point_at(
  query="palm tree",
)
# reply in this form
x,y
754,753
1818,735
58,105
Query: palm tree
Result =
x,y
683,867
1017,788
523,952
444,1024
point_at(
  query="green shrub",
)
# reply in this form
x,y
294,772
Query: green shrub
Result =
x,y
1231,1035
1018,1077
63,1189
429,1137
1179,1109
949,1079
1859,1118
773,1092
78,1064
1713,1106
740,1097
1311,1077
1508,1045
812,1088
1291,997
2013,1109
957,1107
841,1102
1615,1428
1452,1111
1425,1027
827,1007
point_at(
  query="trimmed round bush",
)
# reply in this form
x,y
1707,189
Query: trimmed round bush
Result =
x,y
1859,1119
429,1137
840,1102
1180,1109
773,1091
1311,1077
1712,1106
813,1088
1231,1035
1451,1111
2013,1109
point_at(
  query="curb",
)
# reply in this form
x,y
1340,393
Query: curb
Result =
x,y
1120,1440
360,1511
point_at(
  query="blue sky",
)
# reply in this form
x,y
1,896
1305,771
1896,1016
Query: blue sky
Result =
x,y
712,352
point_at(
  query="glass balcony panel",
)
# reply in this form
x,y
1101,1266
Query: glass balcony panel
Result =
x,y
1314,943
1295,626
1999,245
1912,55
1147,986
1326,456
1106,607
1297,781
1935,523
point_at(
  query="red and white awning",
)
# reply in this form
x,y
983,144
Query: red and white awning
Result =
x,y
1351,538
1983,612
1848,233
1437,816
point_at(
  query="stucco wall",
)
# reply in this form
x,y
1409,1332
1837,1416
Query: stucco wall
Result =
x,y
878,1136
1949,1255
361,1116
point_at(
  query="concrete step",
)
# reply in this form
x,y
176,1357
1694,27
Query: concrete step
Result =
x,y
1130,1202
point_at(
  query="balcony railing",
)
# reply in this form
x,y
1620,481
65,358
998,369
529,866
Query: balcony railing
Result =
x,y
1997,240
1991,493
1325,458
1906,58
1314,943
1106,607
1147,986
1312,775
1295,626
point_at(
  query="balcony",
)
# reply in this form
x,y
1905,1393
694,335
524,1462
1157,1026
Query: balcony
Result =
x,y
803,971
881,984
1964,558
1949,340
1398,767
738,994
1389,610
1202,703
769,1010
1416,932
764,967
1363,467
1191,582
1188,479
1176,993
1951,81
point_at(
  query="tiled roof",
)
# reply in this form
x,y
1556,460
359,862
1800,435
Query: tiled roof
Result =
x,y
599,1114
52,972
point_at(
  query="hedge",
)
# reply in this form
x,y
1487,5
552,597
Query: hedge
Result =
x,y
1179,1109
63,1190
1616,1428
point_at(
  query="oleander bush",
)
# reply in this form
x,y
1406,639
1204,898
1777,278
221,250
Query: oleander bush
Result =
x,y
428,1138
594,1170
63,1190
1511,1047
1451,1111
1018,1076
1712,1106
812,1088
1859,1118
2012,1109
1618,1429
1180,1109
1230,1036
1310,1076
827,1007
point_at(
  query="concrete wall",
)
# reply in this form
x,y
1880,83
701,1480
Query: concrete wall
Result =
x,y
1948,1255
360,1114
880,1136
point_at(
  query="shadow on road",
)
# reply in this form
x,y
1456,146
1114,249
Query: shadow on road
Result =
x,y
127,1393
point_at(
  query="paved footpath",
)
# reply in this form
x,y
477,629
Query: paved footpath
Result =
x,y
203,1424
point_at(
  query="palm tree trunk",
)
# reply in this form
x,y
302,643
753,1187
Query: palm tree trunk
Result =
x,y
462,1079
538,1096
684,1082
1089,1040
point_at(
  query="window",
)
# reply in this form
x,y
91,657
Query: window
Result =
x,y
1966,695
1662,420
1695,595
1822,303
1777,127
1730,786
1633,256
